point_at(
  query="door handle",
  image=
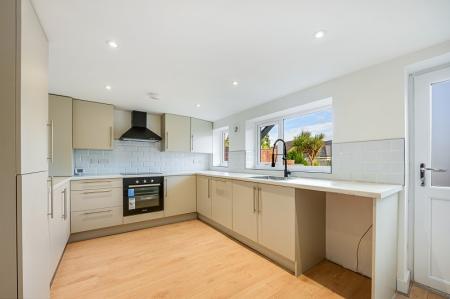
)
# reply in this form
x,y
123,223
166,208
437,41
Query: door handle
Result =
x,y
422,172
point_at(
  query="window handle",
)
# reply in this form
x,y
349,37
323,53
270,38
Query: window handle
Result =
x,y
422,170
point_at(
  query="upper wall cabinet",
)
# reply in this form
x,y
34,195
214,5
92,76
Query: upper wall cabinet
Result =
x,y
176,131
60,141
93,125
201,136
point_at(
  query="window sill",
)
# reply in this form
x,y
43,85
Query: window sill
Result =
x,y
305,169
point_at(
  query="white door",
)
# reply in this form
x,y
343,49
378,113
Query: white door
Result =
x,y
432,180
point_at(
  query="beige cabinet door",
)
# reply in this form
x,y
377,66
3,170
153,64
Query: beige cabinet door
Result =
x,y
204,196
222,202
92,125
201,136
180,195
276,219
245,212
61,152
177,133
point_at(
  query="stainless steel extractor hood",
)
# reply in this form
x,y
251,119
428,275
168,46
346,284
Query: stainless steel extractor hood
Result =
x,y
139,130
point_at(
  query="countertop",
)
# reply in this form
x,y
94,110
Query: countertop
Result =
x,y
371,190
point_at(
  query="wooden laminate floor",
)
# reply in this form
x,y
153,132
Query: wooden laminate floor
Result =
x,y
190,260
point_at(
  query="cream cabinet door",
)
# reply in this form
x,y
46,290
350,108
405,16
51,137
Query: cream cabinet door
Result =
x,y
58,226
60,141
276,219
180,195
177,133
245,212
204,196
222,202
92,125
201,136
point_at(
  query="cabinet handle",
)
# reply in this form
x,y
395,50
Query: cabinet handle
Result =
x,y
192,142
111,137
97,212
64,202
94,181
254,199
97,191
50,154
50,212
209,188
167,140
259,200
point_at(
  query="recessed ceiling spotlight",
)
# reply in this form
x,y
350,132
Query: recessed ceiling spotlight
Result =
x,y
319,34
112,44
198,105
108,87
235,83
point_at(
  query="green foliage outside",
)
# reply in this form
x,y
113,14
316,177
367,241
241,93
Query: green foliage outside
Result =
x,y
297,157
265,142
308,146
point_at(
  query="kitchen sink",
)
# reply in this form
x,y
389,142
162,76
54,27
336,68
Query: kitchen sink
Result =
x,y
271,177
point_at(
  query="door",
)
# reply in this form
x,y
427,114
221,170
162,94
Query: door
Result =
x,y
432,180
34,211
204,196
277,219
180,195
222,202
61,152
201,136
92,125
245,213
177,133
55,224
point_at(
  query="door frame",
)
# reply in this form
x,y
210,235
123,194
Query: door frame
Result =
x,y
412,71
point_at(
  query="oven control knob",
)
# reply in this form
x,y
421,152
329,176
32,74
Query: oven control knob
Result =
x,y
137,182
145,181
153,181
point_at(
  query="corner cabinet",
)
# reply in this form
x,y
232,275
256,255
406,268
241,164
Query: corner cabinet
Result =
x,y
222,202
204,196
93,125
201,136
176,131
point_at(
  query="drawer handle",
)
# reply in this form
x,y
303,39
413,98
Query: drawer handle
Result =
x,y
97,212
94,181
97,191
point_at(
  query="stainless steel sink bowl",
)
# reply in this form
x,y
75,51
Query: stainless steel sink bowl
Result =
x,y
271,177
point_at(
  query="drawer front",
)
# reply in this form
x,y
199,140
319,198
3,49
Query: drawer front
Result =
x,y
96,199
96,184
95,219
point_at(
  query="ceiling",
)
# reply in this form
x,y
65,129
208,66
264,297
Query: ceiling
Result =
x,y
190,52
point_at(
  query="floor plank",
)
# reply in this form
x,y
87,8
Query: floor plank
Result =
x,y
190,259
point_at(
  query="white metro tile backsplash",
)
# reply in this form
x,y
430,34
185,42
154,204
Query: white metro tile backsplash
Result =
x,y
129,156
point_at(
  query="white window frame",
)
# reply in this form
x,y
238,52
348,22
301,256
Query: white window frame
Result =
x,y
280,122
219,147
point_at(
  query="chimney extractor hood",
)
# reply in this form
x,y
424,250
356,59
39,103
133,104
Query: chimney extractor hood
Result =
x,y
138,130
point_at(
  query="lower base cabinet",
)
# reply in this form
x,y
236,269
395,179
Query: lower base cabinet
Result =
x,y
180,195
222,202
204,195
95,219
245,210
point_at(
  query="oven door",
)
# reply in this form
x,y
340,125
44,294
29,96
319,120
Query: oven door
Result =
x,y
143,198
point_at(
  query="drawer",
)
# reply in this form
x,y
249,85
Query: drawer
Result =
x,y
96,199
96,184
95,219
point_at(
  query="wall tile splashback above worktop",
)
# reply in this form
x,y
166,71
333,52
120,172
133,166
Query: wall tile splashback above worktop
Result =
x,y
130,156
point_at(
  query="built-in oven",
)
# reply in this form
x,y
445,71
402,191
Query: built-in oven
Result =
x,y
143,195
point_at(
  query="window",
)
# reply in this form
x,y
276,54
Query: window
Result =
x,y
221,147
308,135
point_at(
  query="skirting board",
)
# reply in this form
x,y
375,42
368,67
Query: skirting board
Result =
x,y
129,227
276,258
403,286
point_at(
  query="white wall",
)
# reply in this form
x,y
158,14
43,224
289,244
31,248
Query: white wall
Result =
x,y
369,104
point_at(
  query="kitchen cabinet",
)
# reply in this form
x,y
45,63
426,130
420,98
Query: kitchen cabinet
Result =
x,y
96,204
59,223
245,209
93,125
204,196
176,131
201,136
60,141
222,202
276,219
180,193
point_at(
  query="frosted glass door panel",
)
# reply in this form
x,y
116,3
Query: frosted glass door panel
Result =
x,y
440,133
